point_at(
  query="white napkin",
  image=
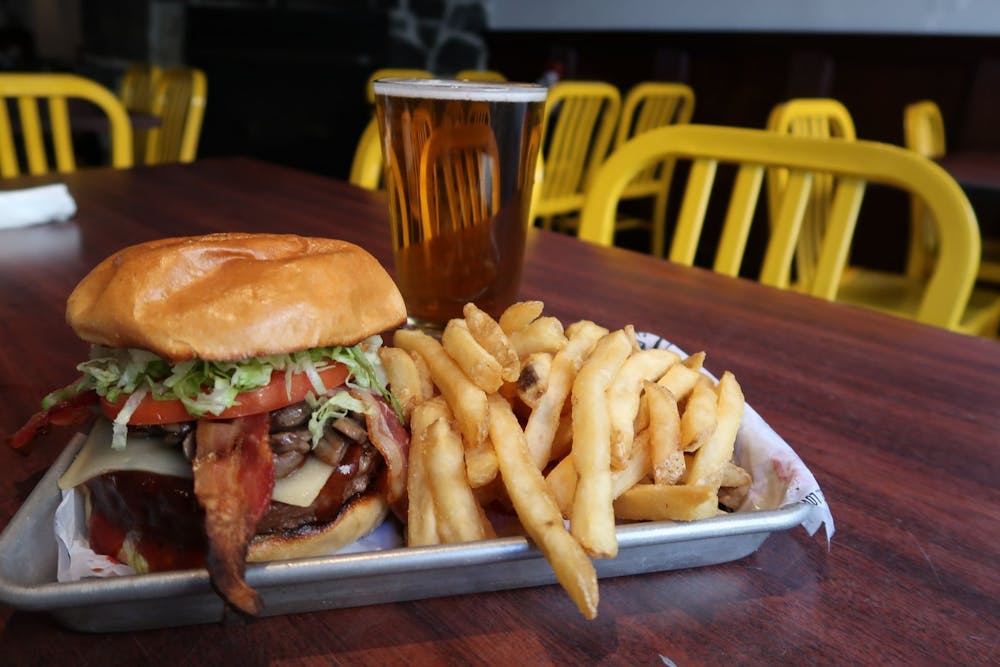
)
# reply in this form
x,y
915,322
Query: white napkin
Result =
x,y
35,206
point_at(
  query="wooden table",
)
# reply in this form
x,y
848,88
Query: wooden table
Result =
x,y
899,422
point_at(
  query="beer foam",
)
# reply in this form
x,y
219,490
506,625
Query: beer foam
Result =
x,y
449,89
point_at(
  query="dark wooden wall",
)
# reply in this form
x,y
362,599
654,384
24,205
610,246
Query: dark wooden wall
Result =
x,y
739,77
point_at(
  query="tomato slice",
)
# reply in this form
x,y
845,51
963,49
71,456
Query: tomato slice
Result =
x,y
271,396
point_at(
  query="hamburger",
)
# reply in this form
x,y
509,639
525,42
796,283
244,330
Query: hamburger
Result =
x,y
242,412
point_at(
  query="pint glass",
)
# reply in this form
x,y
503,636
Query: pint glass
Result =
x,y
459,168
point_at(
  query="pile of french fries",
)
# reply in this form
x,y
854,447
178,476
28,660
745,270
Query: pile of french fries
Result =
x,y
577,425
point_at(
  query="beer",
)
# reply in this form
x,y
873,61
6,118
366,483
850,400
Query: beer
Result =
x,y
459,169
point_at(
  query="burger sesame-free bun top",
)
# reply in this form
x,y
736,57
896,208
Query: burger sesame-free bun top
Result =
x,y
231,296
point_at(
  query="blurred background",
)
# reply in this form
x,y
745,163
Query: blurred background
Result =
x,y
286,77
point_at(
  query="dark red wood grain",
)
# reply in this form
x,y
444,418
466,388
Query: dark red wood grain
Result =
x,y
899,422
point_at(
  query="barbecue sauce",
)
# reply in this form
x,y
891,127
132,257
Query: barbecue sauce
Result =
x,y
163,514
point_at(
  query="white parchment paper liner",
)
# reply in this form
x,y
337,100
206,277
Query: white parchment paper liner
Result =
x,y
780,478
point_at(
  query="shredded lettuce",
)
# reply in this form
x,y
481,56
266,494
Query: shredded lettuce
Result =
x,y
330,408
210,387
119,427
60,395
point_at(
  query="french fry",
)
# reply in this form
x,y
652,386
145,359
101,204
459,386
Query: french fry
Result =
x,y
635,470
421,517
467,401
665,453
534,378
633,340
680,380
492,338
562,479
735,486
624,395
541,427
699,417
475,361
543,335
707,466
734,476
520,315
562,441
538,513
695,361
458,513
403,378
429,412
665,502
427,388
592,522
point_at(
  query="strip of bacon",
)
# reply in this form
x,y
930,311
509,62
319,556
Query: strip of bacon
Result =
x,y
69,411
391,440
233,479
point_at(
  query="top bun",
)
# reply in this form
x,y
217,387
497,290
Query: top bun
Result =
x,y
232,296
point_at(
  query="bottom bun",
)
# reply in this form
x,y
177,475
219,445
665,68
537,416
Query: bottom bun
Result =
x,y
359,518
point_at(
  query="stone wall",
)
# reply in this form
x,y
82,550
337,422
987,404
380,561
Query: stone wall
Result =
x,y
443,36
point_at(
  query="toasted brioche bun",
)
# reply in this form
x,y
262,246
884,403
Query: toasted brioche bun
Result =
x,y
358,518
232,296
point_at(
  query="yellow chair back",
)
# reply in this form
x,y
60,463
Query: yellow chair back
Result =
x,y
808,117
649,105
455,161
481,75
855,163
138,86
180,101
27,90
923,132
137,91
393,72
579,123
923,129
366,167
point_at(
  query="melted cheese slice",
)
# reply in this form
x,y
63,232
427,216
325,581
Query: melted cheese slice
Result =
x,y
302,486
96,457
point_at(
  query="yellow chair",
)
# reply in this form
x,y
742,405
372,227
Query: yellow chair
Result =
x,y
649,105
481,75
808,117
579,123
137,91
454,162
823,117
941,301
138,86
923,132
393,72
181,95
27,89
366,167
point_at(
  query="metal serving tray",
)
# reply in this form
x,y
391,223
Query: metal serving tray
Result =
x,y
28,557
